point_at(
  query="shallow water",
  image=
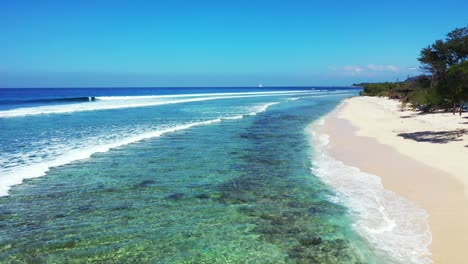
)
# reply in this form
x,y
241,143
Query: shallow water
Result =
x,y
215,181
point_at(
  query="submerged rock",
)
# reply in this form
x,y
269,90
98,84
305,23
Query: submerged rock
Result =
x,y
250,211
122,207
296,204
202,196
85,208
311,241
5,214
174,196
234,198
144,183
314,210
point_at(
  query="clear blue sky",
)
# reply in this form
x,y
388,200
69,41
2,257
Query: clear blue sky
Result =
x,y
217,43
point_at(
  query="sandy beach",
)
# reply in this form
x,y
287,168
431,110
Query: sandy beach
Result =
x,y
422,157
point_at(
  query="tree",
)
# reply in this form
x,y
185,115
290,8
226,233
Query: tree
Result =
x,y
439,56
457,45
455,85
446,61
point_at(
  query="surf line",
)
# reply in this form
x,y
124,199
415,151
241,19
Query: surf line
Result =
x,y
16,175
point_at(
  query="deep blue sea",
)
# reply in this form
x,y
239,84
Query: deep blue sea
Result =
x,y
187,175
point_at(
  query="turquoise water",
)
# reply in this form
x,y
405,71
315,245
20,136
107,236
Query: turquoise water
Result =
x,y
225,180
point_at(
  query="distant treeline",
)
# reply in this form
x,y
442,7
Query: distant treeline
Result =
x,y
445,85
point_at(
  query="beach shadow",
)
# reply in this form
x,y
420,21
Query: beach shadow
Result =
x,y
440,137
431,113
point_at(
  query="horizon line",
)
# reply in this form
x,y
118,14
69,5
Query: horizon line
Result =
x,y
182,87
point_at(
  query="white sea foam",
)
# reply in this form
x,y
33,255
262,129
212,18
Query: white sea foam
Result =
x,y
120,102
261,108
392,225
234,117
108,98
38,169
32,166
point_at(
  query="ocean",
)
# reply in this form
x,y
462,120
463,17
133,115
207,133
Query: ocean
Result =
x,y
189,175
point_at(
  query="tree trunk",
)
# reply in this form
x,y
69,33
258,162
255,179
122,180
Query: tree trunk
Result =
x,y
454,107
461,107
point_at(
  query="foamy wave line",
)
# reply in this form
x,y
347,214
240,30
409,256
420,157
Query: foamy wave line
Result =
x,y
263,108
326,94
119,104
391,224
40,169
139,97
15,177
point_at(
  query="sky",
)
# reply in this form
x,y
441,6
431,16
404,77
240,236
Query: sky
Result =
x,y
177,43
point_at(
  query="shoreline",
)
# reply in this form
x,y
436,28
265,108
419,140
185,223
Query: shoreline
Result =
x,y
440,193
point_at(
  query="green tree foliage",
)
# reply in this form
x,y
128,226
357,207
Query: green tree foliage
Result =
x,y
433,60
447,63
425,100
379,89
438,57
454,86
457,45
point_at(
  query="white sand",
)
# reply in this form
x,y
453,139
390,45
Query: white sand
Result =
x,y
366,132
383,119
